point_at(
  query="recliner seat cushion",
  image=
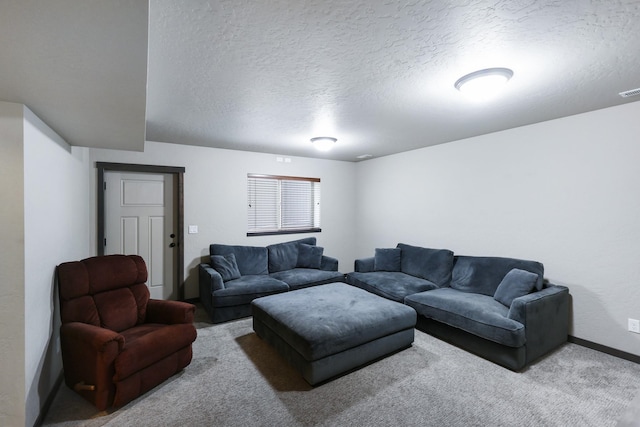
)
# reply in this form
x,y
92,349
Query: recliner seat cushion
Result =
x,y
149,343
475,313
392,285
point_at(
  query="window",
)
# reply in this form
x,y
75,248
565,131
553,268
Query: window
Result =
x,y
282,204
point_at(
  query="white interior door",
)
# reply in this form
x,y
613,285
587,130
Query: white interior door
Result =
x,y
139,220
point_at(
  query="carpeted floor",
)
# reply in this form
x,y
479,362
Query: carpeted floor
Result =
x,y
235,379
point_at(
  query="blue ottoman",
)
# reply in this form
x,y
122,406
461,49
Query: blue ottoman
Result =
x,y
327,330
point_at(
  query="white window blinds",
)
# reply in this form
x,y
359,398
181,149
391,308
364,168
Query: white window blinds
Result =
x,y
282,204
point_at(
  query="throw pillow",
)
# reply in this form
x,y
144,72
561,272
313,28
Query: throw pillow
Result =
x,y
387,259
226,265
516,283
309,256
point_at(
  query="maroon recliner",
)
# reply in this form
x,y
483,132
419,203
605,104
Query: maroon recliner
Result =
x,y
117,343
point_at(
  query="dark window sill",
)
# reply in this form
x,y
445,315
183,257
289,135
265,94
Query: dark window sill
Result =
x,y
292,231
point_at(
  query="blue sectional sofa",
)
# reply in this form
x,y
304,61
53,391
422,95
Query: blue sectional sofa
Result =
x,y
236,275
498,308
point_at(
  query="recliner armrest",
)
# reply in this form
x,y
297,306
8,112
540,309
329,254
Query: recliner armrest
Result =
x,y
364,265
329,263
169,312
100,340
88,354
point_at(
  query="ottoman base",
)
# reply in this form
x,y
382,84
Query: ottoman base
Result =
x,y
276,329
318,371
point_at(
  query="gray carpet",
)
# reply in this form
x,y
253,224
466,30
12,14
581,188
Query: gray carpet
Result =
x,y
235,379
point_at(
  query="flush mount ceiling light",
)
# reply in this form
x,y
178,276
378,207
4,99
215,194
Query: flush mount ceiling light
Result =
x,y
323,143
483,84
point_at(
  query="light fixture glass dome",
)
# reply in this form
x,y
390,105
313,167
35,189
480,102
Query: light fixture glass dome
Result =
x,y
483,84
323,143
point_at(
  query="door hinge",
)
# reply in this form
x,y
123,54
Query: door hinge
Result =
x,y
104,186
105,242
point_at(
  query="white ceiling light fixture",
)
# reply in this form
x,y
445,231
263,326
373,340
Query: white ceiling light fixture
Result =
x,y
630,93
484,84
323,143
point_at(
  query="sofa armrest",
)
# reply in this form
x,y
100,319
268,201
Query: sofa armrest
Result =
x,y
364,265
169,312
545,316
329,263
209,279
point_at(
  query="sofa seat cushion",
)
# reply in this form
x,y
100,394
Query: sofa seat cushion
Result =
x,y
146,344
477,314
392,285
302,277
246,289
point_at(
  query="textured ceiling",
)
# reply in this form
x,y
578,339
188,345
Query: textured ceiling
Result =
x,y
378,75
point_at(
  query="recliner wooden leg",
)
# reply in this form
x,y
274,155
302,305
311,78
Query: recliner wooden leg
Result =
x,y
82,386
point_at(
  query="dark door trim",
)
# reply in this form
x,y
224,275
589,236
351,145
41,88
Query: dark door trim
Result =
x,y
178,172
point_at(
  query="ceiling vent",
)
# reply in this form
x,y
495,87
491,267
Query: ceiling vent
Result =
x,y
629,93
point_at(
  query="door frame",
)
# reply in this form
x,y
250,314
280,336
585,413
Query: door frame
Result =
x,y
178,173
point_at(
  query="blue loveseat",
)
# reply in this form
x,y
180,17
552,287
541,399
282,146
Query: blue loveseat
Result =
x,y
498,308
236,275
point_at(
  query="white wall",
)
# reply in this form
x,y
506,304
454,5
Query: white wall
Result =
x,y
12,344
563,192
56,218
215,198
45,221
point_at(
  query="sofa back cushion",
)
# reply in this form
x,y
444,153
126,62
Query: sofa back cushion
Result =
x,y
482,275
387,259
284,256
433,265
251,260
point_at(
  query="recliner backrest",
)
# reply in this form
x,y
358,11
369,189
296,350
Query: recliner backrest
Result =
x,y
106,291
